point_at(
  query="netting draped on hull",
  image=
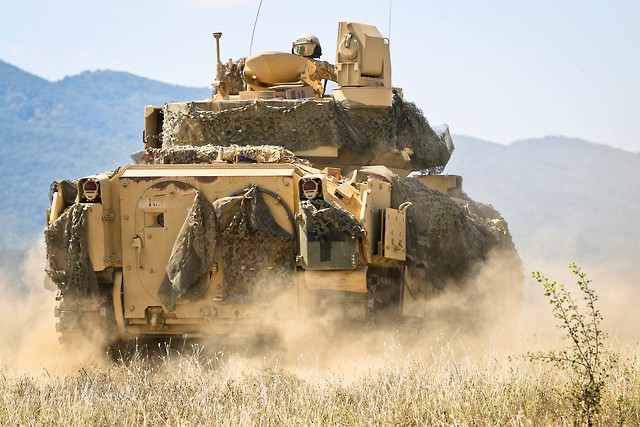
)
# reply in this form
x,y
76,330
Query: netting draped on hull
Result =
x,y
366,134
324,214
186,154
257,254
193,253
68,262
445,239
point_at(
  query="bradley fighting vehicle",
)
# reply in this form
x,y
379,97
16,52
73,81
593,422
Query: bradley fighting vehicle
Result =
x,y
270,201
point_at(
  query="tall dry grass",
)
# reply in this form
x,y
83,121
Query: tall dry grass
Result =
x,y
436,387
362,379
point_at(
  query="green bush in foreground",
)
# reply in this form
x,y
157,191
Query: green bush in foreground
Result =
x,y
585,356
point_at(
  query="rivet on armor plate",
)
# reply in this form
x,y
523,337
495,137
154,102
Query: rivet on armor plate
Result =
x,y
149,236
151,270
133,307
124,184
128,267
126,217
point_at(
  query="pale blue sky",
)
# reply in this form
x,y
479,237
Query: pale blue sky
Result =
x,y
497,70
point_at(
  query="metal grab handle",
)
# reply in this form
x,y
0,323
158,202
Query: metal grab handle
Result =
x,y
403,207
137,243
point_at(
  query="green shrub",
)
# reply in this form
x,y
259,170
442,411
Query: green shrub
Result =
x,y
585,356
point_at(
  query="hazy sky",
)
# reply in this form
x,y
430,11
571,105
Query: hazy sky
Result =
x,y
497,70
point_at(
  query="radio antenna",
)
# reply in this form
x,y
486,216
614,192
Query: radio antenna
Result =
x,y
254,27
389,32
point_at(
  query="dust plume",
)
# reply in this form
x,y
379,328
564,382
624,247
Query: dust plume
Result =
x,y
613,280
27,324
26,312
478,318
492,315
487,316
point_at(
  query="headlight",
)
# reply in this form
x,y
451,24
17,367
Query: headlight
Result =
x,y
91,190
310,189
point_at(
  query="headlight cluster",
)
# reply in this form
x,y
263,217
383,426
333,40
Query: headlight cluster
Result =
x,y
311,188
91,190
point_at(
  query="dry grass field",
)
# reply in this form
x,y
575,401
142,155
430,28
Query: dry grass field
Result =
x,y
431,385
444,376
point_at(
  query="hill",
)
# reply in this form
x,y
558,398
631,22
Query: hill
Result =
x,y
564,198
73,127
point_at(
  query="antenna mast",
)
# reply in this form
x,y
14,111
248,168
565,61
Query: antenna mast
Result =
x,y
254,27
389,32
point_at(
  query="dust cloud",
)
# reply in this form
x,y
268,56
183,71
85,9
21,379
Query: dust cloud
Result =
x,y
28,337
26,313
493,316
478,319
488,318
613,280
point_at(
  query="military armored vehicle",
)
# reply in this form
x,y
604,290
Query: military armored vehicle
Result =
x,y
270,201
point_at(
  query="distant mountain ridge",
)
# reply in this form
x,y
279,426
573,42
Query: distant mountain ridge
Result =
x,y
562,197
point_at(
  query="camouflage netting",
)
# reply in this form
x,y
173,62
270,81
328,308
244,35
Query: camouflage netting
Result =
x,y
68,262
444,238
231,74
257,253
193,252
323,214
302,125
209,154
